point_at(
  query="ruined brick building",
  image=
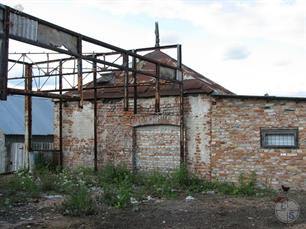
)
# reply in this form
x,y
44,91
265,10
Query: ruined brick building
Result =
x,y
225,134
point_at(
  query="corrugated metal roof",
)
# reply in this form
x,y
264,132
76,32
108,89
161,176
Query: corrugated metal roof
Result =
x,y
12,115
193,83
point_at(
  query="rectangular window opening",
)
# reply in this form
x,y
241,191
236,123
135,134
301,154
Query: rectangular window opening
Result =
x,y
279,138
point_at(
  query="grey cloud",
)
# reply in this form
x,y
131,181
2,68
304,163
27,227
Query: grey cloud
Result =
x,y
237,53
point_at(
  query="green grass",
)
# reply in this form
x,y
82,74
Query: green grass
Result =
x,y
118,186
79,203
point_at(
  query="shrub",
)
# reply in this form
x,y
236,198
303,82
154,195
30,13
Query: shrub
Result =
x,y
24,181
118,195
117,183
48,180
79,203
247,186
158,184
115,174
182,179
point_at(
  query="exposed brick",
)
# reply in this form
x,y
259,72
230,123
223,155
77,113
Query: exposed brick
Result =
x,y
236,144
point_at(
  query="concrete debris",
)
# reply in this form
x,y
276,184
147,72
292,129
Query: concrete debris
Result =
x,y
189,198
53,197
133,200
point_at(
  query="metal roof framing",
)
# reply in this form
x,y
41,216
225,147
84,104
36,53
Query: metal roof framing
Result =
x,y
31,30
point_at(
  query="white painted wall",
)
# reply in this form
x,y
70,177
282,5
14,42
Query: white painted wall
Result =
x,y
197,121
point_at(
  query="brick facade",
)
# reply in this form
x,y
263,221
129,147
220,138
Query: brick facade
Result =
x,y
222,137
236,147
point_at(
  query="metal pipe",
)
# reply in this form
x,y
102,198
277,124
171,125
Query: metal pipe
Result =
x,y
61,114
94,66
126,83
182,126
80,74
157,90
134,66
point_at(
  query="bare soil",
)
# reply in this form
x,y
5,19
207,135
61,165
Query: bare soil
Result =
x,y
205,211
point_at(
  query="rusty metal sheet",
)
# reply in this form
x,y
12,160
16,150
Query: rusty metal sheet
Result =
x,y
167,73
56,38
23,27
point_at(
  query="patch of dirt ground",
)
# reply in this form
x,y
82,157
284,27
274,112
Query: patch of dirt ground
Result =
x,y
204,211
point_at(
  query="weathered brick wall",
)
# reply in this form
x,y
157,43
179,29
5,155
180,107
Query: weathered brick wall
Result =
x,y
157,148
116,127
78,134
117,142
236,147
198,127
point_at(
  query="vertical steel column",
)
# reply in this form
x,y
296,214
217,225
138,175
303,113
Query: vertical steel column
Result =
x,y
61,113
4,44
134,66
126,82
94,66
27,116
182,126
80,69
157,89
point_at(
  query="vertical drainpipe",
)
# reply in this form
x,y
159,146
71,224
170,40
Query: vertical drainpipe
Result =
x,y
28,117
94,67
61,114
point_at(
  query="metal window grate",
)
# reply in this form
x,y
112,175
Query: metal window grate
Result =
x,y
36,146
279,138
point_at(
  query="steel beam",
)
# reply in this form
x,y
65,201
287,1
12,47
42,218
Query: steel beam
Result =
x,y
80,74
157,89
4,45
126,82
182,126
27,117
60,69
134,66
94,66
14,91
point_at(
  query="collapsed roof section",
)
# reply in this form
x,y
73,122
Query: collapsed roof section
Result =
x,y
84,56
194,82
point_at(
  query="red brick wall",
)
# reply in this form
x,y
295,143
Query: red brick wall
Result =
x,y
222,139
236,147
115,131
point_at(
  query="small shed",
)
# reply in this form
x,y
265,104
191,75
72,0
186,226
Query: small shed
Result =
x,y
12,130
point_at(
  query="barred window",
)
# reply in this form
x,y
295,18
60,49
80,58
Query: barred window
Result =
x,y
36,146
279,138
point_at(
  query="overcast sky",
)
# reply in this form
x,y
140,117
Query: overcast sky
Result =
x,y
247,46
